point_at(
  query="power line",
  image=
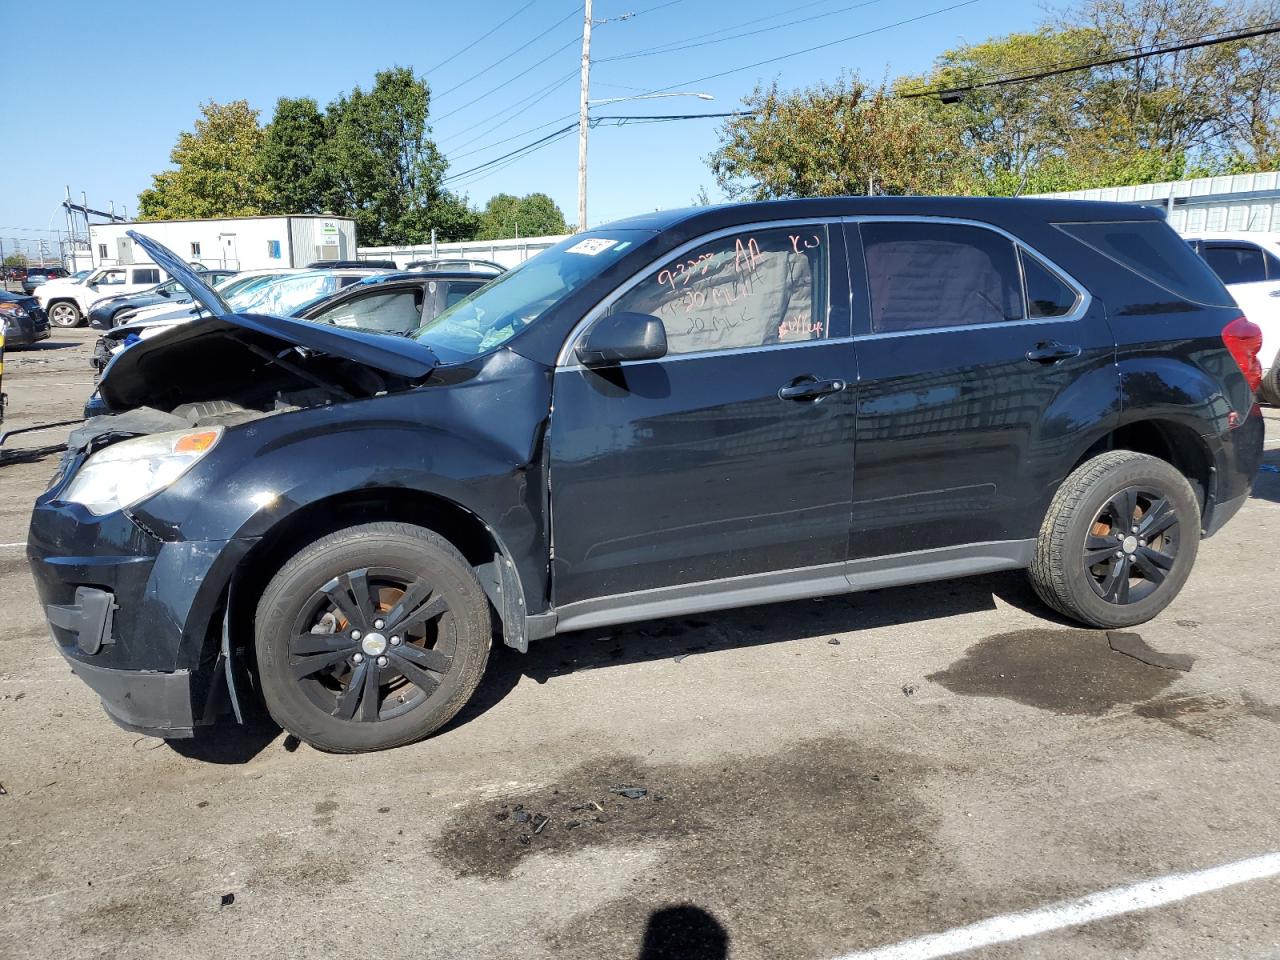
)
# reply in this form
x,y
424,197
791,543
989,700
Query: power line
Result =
x,y
486,36
668,48
503,59
536,97
820,46
572,41
514,136
1274,27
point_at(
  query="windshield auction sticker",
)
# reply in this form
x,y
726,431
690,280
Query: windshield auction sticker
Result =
x,y
591,246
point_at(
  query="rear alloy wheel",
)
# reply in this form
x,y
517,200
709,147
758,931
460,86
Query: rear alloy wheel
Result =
x,y
1118,541
64,313
372,637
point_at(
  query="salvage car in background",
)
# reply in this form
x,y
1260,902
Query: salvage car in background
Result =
x,y
1249,264
67,301
109,311
752,403
22,322
33,277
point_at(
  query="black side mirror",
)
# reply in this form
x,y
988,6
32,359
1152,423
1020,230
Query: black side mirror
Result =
x,y
623,336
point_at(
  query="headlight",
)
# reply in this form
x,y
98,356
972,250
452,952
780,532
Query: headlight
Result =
x,y
132,470
12,310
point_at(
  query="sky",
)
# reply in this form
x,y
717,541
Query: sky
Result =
x,y
131,76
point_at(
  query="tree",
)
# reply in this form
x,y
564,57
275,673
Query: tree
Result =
x,y
535,215
840,138
385,170
16,260
292,157
218,170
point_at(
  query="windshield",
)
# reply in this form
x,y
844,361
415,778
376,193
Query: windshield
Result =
x,y
502,308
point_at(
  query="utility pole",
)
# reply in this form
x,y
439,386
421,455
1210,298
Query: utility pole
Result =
x,y
583,122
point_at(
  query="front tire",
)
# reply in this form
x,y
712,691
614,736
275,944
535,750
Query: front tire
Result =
x,y
371,637
64,313
1118,541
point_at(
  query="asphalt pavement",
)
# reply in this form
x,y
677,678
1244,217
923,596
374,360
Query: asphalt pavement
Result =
x,y
807,780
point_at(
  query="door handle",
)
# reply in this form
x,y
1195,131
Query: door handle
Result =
x,y
810,388
1052,351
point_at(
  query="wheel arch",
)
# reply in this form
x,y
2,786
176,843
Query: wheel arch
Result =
x,y
474,539
1174,442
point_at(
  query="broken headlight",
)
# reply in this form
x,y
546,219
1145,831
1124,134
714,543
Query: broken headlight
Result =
x,y
131,470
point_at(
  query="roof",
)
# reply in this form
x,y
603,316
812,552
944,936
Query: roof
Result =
x,y
977,208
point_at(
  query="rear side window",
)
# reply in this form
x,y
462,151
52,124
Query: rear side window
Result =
x,y
1154,252
923,275
1236,263
146,276
1047,294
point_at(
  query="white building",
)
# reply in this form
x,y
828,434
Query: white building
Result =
x,y
232,243
1244,201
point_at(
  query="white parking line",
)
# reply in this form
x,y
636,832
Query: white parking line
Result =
x,y
1097,906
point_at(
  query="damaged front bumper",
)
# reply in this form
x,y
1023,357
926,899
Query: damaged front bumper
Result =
x,y
137,618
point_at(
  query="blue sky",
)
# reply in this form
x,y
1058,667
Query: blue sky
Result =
x,y
129,78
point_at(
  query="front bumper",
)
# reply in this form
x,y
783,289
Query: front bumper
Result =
x,y
25,331
137,618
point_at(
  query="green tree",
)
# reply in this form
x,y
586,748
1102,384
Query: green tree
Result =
x,y
535,215
846,137
385,170
218,172
292,157
16,260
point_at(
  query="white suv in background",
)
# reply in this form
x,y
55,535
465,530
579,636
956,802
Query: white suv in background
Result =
x,y
1249,264
67,301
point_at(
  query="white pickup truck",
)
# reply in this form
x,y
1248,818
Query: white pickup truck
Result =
x,y
67,301
1249,264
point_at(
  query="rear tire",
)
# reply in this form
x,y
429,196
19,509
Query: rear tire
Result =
x,y
1269,392
1118,541
64,313
371,637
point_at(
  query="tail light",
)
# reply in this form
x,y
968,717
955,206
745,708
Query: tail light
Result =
x,y
1244,341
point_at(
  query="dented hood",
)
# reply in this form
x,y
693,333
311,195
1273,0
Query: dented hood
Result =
x,y
215,355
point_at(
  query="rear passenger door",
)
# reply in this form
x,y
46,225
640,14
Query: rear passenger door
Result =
x,y
981,367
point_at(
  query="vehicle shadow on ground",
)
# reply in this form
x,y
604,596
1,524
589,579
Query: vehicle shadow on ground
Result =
x,y
42,347
29,454
228,742
779,623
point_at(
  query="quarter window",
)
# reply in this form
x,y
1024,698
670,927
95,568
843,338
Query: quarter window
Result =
x,y
1047,294
923,275
750,289
1236,263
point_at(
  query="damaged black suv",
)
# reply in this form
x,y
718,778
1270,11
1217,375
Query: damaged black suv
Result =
x,y
680,412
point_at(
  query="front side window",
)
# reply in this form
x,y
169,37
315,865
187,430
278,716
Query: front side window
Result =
x,y
1236,263
923,275
751,289
111,278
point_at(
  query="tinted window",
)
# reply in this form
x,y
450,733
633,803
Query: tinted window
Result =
x,y
393,311
747,290
923,275
1235,263
1047,294
146,276
1154,252
457,291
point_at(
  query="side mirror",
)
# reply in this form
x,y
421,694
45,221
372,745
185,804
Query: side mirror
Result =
x,y
623,336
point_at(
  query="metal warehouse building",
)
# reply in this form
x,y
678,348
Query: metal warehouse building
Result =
x,y
232,243
1245,201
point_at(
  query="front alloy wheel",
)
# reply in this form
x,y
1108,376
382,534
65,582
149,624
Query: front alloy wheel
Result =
x,y
64,314
371,637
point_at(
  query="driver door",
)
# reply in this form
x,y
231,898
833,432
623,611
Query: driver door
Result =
x,y
724,469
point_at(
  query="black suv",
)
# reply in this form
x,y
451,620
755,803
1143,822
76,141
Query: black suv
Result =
x,y
681,412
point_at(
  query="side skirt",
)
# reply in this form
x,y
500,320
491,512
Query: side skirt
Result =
x,y
827,580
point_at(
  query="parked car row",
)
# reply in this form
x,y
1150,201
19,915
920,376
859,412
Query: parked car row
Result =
x,y
22,321
681,412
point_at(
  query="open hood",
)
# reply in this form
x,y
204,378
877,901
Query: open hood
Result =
x,y
228,355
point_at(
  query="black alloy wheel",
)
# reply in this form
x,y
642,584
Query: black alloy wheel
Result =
x,y
1132,545
372,644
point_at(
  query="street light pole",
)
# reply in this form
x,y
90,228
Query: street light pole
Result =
x,y
582,116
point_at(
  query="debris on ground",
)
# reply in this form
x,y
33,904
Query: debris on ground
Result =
x,y
1132,645
228,899
834,641
202,804
542,823
3,791
908,689
631,793
384,809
